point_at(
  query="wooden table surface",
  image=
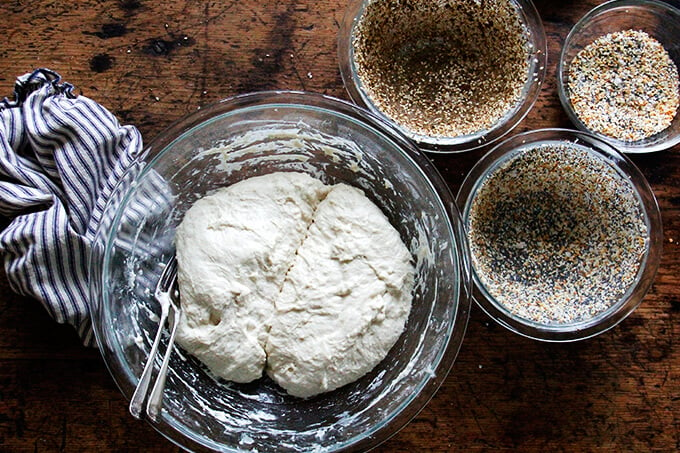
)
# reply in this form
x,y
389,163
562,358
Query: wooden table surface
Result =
x,y
152,62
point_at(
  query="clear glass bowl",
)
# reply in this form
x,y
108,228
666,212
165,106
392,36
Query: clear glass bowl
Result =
x,y
649,263
660,20
252,135
537,62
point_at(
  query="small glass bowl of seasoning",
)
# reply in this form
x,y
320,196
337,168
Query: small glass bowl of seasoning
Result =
x,y
618,74
453,75
564,234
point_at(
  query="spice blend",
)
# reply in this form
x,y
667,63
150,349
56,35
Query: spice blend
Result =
x,y
624,85
557,234
442,68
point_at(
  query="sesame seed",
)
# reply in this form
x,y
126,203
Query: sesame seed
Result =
x,y
624,85
557,235
437,68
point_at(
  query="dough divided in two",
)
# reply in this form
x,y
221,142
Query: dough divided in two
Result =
x,y
285,274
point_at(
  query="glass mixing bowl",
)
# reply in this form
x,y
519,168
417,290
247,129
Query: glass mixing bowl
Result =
x,y
658,19
253,135
537,58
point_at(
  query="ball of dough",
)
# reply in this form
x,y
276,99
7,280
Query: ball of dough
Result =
x,y
283,273
234,248
345,300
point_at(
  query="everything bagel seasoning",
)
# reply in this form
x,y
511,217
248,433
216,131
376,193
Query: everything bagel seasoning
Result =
x,y
557,235
442,68
624,85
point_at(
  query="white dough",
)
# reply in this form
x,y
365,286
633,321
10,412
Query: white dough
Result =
x,y
282,272
345,300
234,248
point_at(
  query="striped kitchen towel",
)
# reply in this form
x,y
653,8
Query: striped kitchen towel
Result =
x,y
61,156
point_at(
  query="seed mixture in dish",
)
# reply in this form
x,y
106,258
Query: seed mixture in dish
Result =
x,y
624,85
283,274
442,68
557,234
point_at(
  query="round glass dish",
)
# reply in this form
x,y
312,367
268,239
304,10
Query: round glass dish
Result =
x,y
535,76
522,215
658,19
253,135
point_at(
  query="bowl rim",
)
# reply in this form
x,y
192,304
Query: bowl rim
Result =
x,y
649,264
276,99
562,65
537,71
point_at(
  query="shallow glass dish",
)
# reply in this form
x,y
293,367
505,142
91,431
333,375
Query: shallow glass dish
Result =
x,y
253,135
535,76
645,200
658,19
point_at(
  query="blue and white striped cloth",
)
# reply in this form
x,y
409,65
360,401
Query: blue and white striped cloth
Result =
x,y
60,157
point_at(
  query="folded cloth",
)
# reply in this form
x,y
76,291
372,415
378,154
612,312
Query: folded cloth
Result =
x,y
61,156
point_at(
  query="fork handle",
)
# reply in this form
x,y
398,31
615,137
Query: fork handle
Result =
x,y
137,400
153,408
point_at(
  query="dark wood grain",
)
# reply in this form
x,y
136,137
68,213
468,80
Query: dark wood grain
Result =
x,y
151,63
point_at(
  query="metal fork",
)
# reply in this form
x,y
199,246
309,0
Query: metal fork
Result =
x,y
164,295
153,406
